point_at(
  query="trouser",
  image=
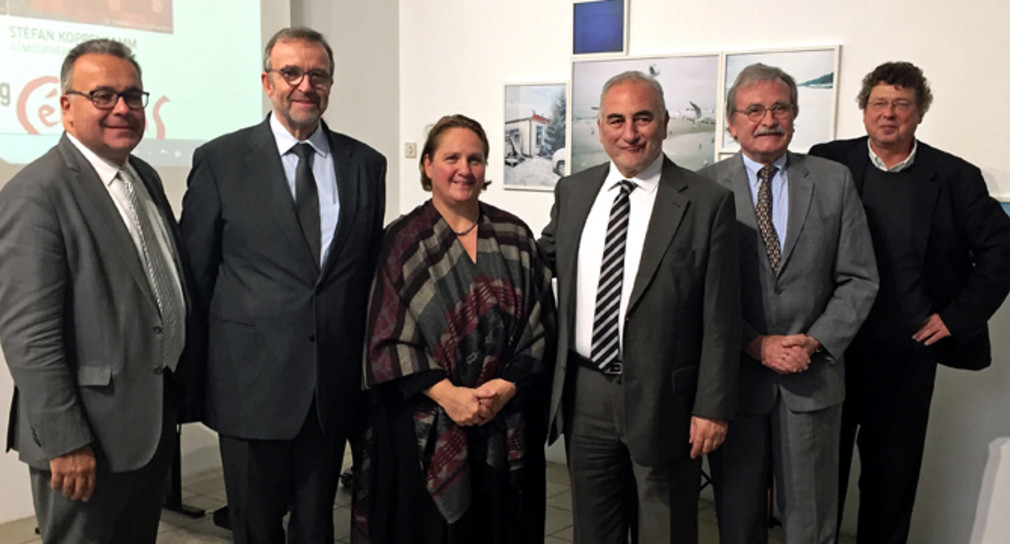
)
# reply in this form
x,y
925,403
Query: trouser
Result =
x,y
885,414
612,496
125,507
801,450
266,479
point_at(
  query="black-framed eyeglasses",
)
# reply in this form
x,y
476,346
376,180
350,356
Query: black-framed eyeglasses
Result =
x,y
756,112
106,99
320,79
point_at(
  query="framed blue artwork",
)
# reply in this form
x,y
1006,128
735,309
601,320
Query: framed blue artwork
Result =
x,y
599,27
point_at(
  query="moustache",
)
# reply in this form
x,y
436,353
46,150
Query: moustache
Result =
x,y
779,131
310,96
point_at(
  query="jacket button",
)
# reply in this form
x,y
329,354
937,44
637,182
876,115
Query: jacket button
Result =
x,y
312,338
157,329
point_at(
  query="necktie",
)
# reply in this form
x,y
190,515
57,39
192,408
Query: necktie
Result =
x,y
763,210
307,199
606,348
159,277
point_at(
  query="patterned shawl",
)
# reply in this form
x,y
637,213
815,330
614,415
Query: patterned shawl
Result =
x,y
432,308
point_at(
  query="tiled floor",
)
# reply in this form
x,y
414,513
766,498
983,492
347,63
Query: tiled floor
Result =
x,y
206,491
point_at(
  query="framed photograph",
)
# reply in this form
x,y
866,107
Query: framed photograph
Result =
x,y
535,135
690,88
815,71
600,27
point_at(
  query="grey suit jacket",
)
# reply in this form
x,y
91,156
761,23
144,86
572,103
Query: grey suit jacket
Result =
x,y
824,288
282,332
682,327
78,320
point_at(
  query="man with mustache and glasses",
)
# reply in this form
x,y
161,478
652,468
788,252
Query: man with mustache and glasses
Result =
x,y
94,308
282,222
943,246
808,281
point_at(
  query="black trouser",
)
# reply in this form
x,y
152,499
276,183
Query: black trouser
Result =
x,y
266,479
885,414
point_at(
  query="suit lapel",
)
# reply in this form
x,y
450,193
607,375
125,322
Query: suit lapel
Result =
x,y
348,174
926,198
103,216
667,212
584,194
801,190
265,173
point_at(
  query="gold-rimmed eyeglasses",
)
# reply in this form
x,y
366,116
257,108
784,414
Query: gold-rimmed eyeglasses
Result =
x,y
756,112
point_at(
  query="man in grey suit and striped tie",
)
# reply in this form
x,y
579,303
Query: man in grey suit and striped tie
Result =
x,y
93,312
808,280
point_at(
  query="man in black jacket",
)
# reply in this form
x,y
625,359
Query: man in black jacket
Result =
x,y
943,252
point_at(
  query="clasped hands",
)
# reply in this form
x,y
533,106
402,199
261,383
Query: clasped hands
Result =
x,y
785,354
468,406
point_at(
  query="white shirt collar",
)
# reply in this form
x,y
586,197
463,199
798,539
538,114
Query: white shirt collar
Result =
x,y
879,163
646,180
285,140
105,168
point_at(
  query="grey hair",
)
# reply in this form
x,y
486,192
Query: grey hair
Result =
x,y
296,33
633,76
760,72
101,46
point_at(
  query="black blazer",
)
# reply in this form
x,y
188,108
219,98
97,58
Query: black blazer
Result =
x,y
964,245
282,331
682,327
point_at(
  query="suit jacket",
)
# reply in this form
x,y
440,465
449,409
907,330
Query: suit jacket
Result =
x,y
824,288
78,319
282,332
682,326
963,244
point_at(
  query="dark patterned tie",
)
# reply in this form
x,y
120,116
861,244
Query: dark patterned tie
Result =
x,y
763,210
307,199
606,348
159,277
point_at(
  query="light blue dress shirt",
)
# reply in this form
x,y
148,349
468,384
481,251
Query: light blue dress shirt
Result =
x,y
323,170
780,192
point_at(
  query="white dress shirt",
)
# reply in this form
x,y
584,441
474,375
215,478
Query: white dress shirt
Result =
x,y
879,163
107,173
594,234
322,169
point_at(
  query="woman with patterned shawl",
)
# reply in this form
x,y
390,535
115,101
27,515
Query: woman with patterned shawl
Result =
x,y
459,321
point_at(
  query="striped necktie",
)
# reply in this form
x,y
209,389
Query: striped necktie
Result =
x,y
159,277
606,348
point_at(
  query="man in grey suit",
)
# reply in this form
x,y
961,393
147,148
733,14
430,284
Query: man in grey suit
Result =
x,y
282,222
649,325
93,311
808,281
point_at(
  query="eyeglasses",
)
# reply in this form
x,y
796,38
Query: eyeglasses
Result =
x,y
320,79
106,99
756,112
898,105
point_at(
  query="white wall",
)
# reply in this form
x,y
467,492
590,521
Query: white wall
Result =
x,y
456,56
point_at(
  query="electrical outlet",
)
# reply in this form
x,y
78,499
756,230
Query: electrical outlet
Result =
x,y
410,150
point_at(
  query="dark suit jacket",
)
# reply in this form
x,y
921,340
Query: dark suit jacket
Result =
x,y
963,243
824,287
281,331
682,327
78,320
